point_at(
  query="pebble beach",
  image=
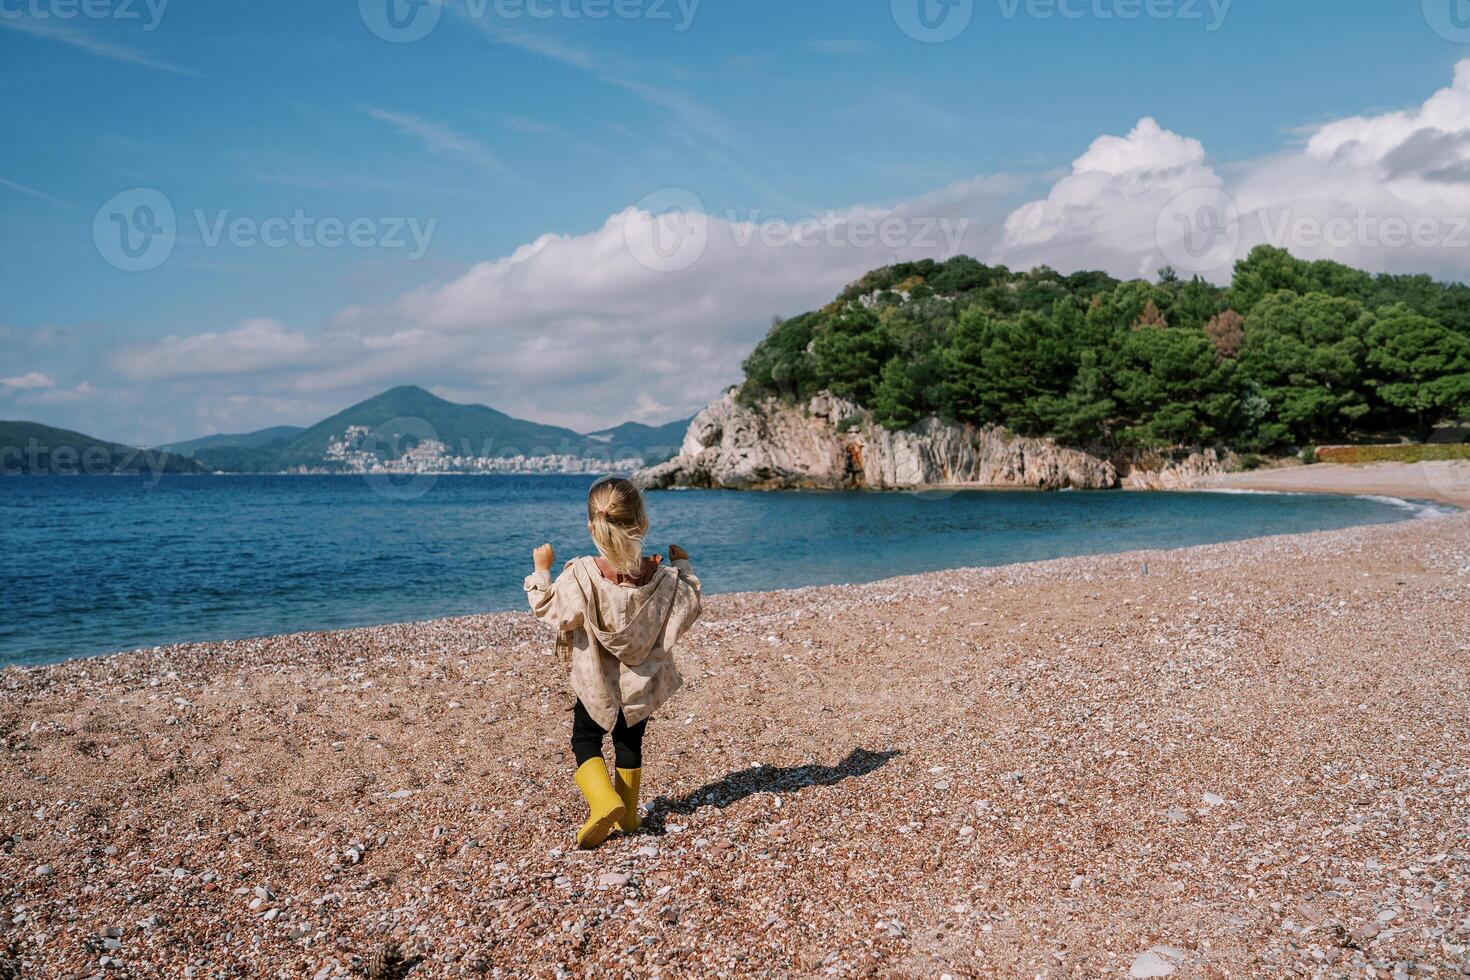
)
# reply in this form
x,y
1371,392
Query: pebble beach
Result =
x,y
1239,760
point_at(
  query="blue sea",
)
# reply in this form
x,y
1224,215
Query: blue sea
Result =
x,y
100,564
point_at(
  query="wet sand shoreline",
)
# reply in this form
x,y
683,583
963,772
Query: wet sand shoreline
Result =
x,y
1441,482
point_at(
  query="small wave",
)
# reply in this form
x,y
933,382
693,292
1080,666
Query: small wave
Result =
x,y
1419,508
1251,490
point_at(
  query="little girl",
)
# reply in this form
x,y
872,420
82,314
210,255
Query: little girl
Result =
x,y
622,613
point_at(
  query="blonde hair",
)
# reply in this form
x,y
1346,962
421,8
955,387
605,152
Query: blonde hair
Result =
x,y
618,521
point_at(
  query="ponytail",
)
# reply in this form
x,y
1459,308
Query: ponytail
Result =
x,y
618,522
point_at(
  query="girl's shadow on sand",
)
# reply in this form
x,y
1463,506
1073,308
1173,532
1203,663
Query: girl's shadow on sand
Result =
x,y
762,779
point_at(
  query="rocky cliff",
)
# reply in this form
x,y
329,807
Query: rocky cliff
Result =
x,y
1179,472
830,444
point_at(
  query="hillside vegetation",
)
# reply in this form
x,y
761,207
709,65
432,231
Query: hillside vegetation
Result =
x,y
1291,353
1391,454
656,442
245,440
30,448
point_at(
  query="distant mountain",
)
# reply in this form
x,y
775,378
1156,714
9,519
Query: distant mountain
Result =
x,y
245,440
399,420
33,448
405,425
656,442
468,430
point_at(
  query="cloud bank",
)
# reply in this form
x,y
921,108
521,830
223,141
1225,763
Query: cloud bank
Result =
x,y
649,314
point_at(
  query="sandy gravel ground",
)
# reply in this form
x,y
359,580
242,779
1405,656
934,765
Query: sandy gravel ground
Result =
x,y
1242,760
1448,482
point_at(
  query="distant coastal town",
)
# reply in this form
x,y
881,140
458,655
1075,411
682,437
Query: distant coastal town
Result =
x,y
355,452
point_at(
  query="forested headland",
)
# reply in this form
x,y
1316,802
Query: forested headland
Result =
x,y
1291,354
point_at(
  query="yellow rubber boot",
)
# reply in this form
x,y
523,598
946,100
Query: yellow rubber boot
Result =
x,y
602,800
628,792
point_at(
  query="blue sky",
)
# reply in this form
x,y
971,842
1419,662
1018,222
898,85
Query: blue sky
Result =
x,y
500,127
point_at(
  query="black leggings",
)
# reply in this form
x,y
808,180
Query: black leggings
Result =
x,y
587,736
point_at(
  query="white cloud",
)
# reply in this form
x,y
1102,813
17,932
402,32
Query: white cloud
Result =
x,y
839,46
254,346
51,30
444,141
38,388
29,191
64,396
1388,192
1103,214
534,127
685,110
244,412
647,408
27,382
575,329
572,328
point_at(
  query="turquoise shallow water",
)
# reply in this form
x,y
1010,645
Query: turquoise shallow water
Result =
x,y
99,564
